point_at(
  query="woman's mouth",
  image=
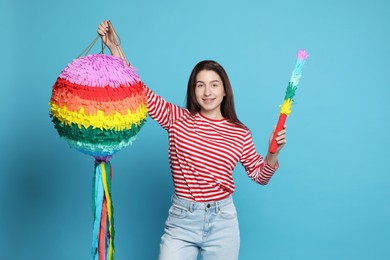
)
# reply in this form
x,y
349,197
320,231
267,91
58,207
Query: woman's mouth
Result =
x,y
208,100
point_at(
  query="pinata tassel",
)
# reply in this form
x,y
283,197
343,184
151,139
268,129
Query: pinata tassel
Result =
x,y
279,127
103,228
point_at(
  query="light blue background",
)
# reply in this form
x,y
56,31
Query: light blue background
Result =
x,y
330,197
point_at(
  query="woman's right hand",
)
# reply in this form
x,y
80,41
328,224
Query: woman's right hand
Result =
x,y
108,36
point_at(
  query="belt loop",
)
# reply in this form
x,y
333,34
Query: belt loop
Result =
x,y
191,207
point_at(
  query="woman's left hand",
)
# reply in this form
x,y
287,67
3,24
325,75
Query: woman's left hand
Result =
x,y
280,139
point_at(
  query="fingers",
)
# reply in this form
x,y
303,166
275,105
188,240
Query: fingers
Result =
x,y
103,28
281,140
282,132
281,136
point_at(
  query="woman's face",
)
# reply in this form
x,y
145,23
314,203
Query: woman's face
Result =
x,y
209,92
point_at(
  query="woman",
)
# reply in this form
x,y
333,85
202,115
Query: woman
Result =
x,y
206,141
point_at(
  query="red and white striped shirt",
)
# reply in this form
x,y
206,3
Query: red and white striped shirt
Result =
x,y
204,152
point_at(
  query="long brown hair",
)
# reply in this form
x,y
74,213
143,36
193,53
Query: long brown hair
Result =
x,y
227,106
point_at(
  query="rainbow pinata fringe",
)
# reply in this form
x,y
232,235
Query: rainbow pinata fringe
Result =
x,y
98,105
103,213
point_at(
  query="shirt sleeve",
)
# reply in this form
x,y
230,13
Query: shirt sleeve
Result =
x,y
257,169
162,111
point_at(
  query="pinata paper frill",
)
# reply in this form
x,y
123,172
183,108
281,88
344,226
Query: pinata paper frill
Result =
x,y
98,105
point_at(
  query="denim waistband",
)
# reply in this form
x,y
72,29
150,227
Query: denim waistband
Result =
x,y
193,205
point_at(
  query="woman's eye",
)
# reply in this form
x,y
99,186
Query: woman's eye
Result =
x,y
199,85
215,85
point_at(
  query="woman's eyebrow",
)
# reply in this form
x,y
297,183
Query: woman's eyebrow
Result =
x,y
215,80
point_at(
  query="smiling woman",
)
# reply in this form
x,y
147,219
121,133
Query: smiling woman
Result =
x,y
206,141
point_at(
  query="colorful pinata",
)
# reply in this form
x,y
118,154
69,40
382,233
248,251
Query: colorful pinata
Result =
x,y
98,105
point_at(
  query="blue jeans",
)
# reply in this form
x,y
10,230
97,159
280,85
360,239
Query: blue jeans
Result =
x,y
210,229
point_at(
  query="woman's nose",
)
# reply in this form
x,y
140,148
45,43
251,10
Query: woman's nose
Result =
x,y
207,91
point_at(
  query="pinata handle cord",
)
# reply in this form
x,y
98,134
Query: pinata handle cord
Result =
x,y
117,44
279,127
103,212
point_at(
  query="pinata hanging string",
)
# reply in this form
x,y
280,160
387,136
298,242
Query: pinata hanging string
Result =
x,y
89,47
117,41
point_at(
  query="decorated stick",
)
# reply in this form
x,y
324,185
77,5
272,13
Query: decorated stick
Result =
x,y
285,109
